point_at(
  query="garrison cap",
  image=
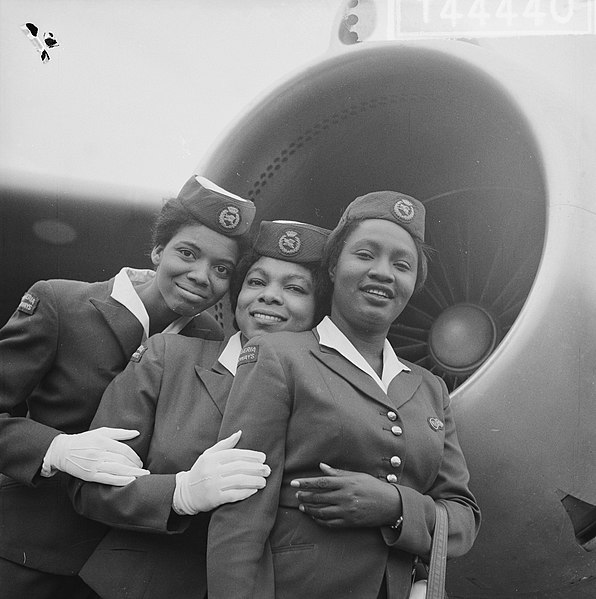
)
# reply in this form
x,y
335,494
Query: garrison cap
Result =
x,y
291,241
217,208
404,210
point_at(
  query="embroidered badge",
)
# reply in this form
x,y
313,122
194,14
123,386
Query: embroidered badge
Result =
x,y
404,210
435,424
28,303
229,217
289,243
249,353
136,357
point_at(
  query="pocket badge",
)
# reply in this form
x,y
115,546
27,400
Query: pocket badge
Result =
x,y
435,423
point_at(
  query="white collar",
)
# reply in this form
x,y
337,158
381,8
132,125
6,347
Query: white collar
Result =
x,y
125,293
330,336
229,356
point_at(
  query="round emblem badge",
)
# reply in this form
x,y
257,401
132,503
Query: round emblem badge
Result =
x,y
229,217
435,423
289,243
404,210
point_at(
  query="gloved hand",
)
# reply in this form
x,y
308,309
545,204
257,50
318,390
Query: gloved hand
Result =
x,y
220,475
96,456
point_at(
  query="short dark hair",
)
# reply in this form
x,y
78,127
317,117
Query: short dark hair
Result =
x,y
321,290
338,238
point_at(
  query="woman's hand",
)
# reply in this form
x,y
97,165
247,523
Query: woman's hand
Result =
x,y
221,474
342,498
96,456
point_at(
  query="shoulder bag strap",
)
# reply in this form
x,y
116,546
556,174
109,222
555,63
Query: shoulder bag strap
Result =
x,y
438,555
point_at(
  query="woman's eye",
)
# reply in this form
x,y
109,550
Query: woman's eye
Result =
x,y
222,270
254,282
363,254
403,265
296,289
186,253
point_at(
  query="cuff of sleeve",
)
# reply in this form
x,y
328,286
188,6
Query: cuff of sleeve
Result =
x,y
47,470
177,502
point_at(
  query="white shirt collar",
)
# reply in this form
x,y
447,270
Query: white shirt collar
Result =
x,y
125,293
229,356
330,336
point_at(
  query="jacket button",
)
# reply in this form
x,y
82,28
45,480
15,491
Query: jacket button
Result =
x,y
395,461
391,478
392,416
396,430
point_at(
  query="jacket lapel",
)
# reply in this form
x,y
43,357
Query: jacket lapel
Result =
x,y
402,387
218,382
352,374
126,328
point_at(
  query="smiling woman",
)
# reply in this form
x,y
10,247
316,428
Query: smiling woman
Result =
x,y
64,344
193,271
175,394
338,399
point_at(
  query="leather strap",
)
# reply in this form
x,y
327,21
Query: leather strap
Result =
x,y
438,555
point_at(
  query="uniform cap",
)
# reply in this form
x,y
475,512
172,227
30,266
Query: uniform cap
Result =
x,y
217,208
404,210
291,241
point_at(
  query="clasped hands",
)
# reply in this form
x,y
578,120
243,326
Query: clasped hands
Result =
x,y
341,498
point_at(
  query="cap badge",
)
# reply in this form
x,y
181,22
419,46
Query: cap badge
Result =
x,y
435,424
229,217
404,210
289,243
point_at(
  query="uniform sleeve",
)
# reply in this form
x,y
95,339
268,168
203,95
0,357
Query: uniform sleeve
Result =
x,y
259,405
450,486
130,402
28,345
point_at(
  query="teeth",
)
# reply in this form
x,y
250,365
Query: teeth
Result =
x,y
262,316
378,292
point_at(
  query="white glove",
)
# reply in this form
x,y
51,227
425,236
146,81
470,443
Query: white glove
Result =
x,y
96,456
220,475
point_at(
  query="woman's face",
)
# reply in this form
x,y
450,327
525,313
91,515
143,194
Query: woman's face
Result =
x,y
276,296
374,277
194,269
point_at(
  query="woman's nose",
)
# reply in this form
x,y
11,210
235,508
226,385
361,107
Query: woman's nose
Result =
x,y
382,270
199,273
271,295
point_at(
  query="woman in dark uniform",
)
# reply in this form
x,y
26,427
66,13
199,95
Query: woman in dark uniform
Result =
x,y
175,393
63,345
338,395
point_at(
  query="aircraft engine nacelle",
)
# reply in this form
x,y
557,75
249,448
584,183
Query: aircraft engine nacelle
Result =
x,y
508,318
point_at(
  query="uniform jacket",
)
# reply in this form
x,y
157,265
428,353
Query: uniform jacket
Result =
x,y
302,404
58,352
177,404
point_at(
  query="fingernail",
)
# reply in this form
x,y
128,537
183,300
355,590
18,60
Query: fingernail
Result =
x,y
323,464
301,507
294,483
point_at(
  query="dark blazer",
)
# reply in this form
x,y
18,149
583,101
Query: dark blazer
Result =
x,y
58,352
302,404
177,404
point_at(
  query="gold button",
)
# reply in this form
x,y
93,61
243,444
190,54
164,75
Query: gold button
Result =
x,y
395,461
391,478
392,416
396,430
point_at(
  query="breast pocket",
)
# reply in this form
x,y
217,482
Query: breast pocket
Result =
x,y
424,436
